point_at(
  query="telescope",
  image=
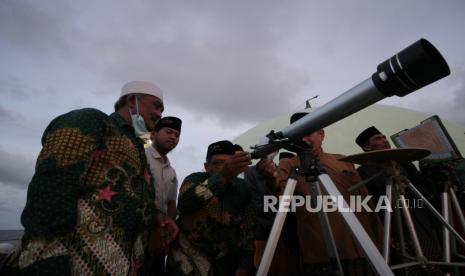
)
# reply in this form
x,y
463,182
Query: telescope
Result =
x,y
407,71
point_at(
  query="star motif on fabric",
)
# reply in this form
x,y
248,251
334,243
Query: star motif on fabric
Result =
x,y
105,194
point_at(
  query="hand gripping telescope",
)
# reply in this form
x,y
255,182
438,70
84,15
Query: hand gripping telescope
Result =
x,y
412,68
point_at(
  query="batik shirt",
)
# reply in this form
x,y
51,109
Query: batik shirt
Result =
x,y
89,205
217,224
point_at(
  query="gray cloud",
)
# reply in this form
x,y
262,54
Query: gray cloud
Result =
x,y
37,28
15,170
211,62
447,99
239,61
11,198
8,116
455,111
13,89
208,61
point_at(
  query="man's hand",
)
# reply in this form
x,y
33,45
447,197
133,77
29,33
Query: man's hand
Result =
x,y
164,233
170,228
235,165
267,168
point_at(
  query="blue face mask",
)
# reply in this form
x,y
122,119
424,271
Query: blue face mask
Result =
x,y
138,122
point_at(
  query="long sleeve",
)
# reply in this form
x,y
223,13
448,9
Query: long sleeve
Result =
x,y
50,214
247,238
259,188
197,190
218,221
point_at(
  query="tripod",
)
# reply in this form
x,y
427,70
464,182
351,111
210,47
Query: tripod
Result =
x,y
394,193
449,205
310,169
444,220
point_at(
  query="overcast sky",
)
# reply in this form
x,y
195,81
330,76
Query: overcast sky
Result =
x,y
225,66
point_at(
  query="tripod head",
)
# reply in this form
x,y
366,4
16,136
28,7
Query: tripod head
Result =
x,y
310,167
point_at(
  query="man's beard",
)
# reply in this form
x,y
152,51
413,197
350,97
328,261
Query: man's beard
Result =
x,y
162,150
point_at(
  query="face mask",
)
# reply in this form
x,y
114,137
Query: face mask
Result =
x,y
138,122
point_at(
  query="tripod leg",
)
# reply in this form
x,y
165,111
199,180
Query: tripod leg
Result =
x,y
453,240
400,234
399,223
411,228
276,229
456,208
387,222
445,232
327,232
358,232
436,213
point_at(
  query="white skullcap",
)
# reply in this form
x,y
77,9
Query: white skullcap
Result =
x,y
142,87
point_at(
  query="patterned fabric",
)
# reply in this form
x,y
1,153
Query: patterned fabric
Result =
x,y
89,206
217,224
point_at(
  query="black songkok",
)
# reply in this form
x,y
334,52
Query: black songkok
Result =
x,y
220,147
238,147
170,122
363,137
297,116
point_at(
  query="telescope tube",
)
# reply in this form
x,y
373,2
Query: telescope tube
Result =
x,y
409,70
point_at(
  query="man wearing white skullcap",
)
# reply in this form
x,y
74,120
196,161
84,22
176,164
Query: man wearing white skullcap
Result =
x,y
145,103
142,87
91,204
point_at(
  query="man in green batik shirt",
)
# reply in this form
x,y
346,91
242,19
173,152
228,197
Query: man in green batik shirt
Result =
x,y
90,204
216,218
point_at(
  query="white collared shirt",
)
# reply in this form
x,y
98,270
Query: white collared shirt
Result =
x,y
166,183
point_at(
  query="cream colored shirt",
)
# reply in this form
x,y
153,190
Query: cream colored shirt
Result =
x,y
166,183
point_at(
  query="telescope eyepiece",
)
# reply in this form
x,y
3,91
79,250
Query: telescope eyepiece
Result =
x,y
412,68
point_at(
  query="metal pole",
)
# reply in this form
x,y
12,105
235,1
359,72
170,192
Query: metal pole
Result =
x,y
456,208
445,232
399,223
327,232
364,241
276,229
387,222
411,229
436,213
